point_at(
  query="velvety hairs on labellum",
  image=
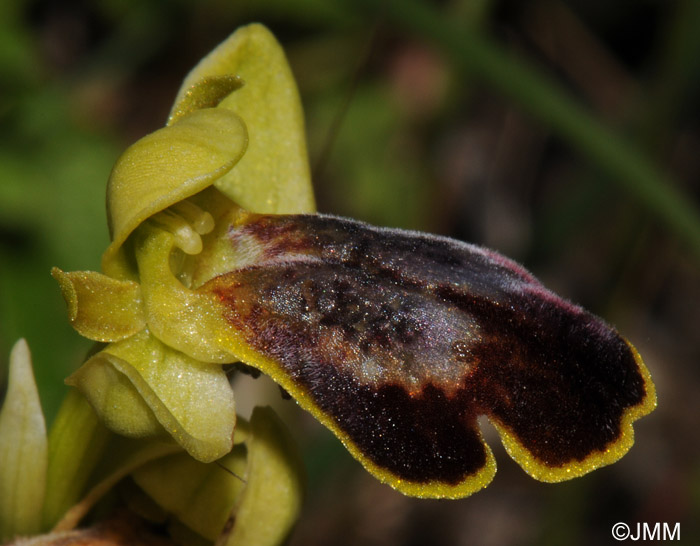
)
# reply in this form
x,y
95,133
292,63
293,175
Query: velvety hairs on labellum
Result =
x,y
399,340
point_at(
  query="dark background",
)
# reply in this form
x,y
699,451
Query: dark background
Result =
x,y
405,130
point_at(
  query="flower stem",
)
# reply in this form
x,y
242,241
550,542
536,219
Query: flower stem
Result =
x,y
76,442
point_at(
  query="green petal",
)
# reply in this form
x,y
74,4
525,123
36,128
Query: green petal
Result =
x,y
141,376
166,167
23,450
273,176
272,498
99,307
106,383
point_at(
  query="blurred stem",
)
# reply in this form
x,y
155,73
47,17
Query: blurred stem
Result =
x,y
677,77
545,100
76,442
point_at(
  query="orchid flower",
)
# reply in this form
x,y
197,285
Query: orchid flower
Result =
x,y
396,341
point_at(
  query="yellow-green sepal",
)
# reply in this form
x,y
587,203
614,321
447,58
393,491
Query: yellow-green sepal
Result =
x,y
142,387
273,176
250,497
104,381
206,93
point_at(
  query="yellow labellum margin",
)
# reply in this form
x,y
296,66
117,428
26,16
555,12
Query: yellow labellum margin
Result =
x,y
316,314
233,342
598,459
427,490
473,483
194,322
178,326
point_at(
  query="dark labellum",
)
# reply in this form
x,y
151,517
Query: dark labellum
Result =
x,y
398,341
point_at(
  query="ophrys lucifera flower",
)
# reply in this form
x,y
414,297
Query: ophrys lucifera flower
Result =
x,y
396,341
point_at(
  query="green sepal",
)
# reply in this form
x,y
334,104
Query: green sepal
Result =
x,y
199,495
104,380
140,386
273,176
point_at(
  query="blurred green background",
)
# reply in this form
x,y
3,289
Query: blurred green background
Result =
x,y
564,133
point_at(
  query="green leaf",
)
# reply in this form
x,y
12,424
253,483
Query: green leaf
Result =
x,y
23,450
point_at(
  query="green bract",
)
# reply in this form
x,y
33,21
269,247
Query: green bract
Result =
x,y
23,450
